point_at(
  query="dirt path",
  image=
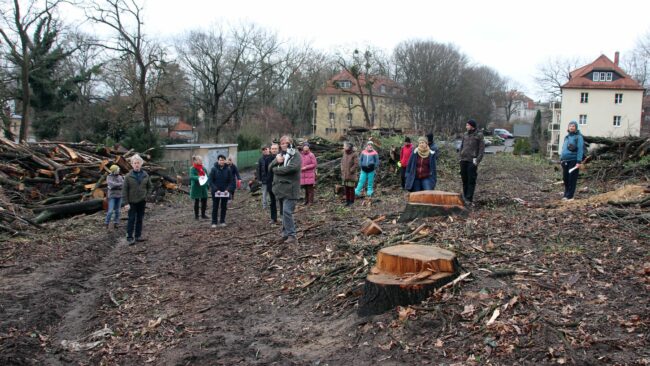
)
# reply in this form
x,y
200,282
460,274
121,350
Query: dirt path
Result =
x,y
191,294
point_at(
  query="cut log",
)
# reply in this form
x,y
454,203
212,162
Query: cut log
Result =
x,y
433,203
406,274
67,209
369,228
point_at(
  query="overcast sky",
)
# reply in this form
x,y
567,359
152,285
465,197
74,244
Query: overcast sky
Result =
x,y
513,37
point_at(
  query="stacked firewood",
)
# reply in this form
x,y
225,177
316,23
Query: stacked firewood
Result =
x,y
48,180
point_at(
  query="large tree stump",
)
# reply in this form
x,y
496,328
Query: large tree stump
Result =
x,y
406,274
433,203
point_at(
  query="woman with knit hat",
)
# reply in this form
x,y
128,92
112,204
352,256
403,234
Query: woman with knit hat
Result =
x,y
369,162
198,187
114,194
421,172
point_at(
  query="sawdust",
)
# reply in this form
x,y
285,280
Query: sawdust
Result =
x,y
623,194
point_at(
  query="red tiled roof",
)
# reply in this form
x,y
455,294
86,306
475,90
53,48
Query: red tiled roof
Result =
x,y
379,81
182,126
580,80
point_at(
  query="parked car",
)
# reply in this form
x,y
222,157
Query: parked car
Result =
x,y
505,134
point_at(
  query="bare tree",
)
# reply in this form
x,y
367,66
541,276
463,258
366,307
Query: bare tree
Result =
x,y
142,54
19,45
554,73
509,99
432,73
231,69
365,69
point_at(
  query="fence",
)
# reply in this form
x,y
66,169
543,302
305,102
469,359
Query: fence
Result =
x,y
247,159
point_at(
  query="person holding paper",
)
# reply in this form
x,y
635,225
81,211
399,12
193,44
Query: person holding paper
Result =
x,y
570,157
220,179
198,188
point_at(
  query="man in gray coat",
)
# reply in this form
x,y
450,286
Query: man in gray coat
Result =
x,y
286,185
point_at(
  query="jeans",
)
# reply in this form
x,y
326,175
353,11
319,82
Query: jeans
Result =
x,y
204,206
288,225
425,184
264,195
136,215
370,177
114,204
402,174
570,179
216,202
468,172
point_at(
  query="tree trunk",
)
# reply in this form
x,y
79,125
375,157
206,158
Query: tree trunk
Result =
x,y
24,80
406,274
75,208
433,203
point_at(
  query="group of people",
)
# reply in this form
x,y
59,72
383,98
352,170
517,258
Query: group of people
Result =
x,y
283,171
418,164
222,181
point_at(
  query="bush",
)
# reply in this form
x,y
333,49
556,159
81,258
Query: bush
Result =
x,y
137,139
248,142
522,146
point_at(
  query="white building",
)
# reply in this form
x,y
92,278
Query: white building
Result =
x,y
603,99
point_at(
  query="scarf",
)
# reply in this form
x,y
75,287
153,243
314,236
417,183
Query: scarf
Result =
x,y
199,168
424,154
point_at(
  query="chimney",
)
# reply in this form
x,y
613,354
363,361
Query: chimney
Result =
x,y
616,58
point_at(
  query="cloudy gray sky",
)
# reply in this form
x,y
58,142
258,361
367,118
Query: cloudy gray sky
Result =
x,y
513,37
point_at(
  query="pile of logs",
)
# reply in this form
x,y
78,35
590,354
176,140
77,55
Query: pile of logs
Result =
x,y
47,180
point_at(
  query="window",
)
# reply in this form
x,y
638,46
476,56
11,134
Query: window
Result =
x,y
350,118
350,101
584,97
331,116
602,76
332,100
617,121
330,130
382,89
618,98
583,119
344,84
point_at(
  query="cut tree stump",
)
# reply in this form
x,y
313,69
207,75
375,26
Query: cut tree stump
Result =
x,y
406,274
433,203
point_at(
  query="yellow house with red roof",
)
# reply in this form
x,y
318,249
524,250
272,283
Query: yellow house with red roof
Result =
x,y
338,106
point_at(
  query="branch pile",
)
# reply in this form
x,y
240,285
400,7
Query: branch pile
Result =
x,y
622,157
56,179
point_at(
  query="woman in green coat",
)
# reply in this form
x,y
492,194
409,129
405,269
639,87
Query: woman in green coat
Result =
x,y
198,191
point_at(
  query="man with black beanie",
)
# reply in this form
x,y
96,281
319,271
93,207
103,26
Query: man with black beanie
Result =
x,y
471,154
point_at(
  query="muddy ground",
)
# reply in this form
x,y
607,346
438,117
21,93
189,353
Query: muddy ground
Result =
x,y
558,284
